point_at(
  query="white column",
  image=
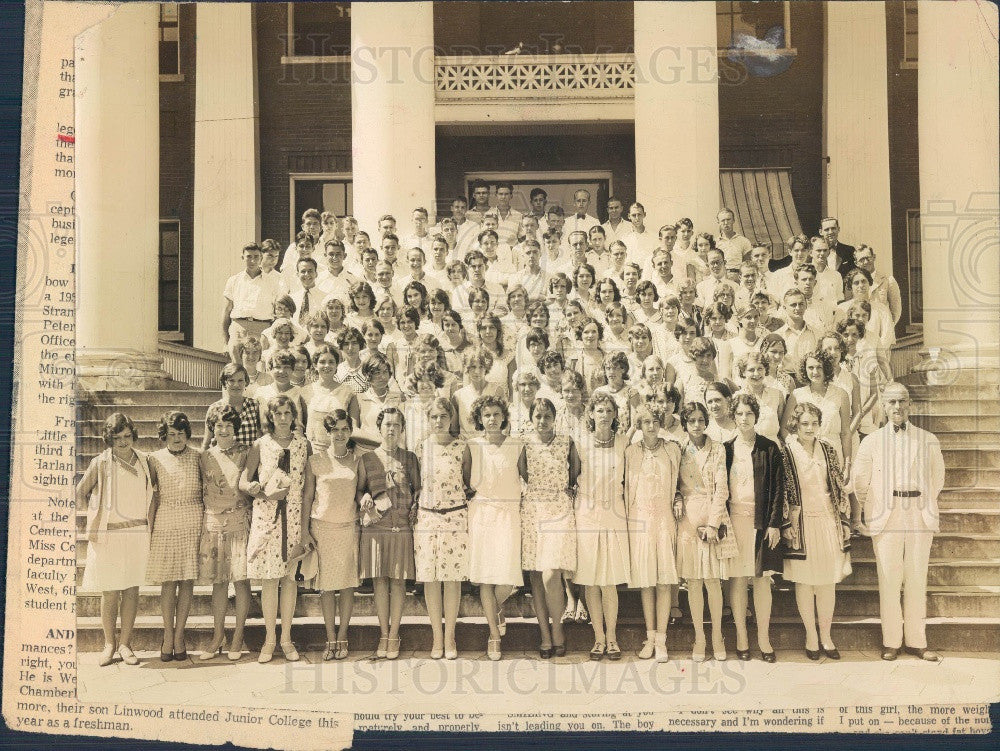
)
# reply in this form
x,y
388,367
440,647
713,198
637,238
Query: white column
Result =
x,y
677,112
392,108
856,127
959,185
118,201
226,163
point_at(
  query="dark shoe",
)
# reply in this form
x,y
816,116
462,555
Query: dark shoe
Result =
x,y
768,657
890,653
559,650
180,656
743,654
166,656
923,653
546,652
675,619
833,654
813,654
598,651
613,652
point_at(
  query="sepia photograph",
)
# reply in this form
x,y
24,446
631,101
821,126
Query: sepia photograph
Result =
x,y
527,357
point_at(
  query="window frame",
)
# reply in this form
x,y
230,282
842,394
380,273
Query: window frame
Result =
x,y
295,221
161,25
913,240
787,50
290,58
910,8
178,333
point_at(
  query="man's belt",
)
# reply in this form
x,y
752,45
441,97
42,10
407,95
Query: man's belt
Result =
x,y
906,493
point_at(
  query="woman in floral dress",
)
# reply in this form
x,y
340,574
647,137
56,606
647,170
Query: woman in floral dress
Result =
x,y
441,532
549,467
177,518
274,477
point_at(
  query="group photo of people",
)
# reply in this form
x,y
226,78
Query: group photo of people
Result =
x,y
535,401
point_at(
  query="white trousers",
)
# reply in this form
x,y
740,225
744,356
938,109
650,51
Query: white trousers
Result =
x,y
902,552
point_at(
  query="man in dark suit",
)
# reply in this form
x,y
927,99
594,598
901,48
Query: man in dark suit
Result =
x,y
829,230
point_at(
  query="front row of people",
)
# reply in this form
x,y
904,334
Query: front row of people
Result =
x,y
589,505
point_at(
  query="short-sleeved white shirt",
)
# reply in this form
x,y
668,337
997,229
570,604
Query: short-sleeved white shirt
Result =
x,y
252,297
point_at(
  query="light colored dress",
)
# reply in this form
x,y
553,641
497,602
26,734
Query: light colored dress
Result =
x,y
222,557
825,562
742,505
387,545
602,552
548,524
464,398
321,401
650,485
276,526
495,513
441,534
176,537
704,487
829,429
416,414
333,521
768,423
117,558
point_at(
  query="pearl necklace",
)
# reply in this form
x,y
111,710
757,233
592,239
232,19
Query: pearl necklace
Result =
x,y
341,456
604,444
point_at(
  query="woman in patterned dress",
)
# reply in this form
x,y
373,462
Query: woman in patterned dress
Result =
x,y
177,519
222,557
441,532
549,467
274,477
330,524
118,492
389,480
235,381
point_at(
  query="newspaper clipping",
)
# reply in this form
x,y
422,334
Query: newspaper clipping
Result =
x,y
506,366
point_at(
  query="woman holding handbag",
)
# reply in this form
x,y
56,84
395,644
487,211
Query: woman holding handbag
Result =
x,y
704,543
819,534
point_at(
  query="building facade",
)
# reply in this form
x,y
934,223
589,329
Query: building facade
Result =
x,y
785,111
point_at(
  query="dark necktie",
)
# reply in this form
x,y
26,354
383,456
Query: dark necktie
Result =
x,y
304,312
898,428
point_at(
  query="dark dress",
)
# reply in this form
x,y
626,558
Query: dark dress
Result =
x,y
387,545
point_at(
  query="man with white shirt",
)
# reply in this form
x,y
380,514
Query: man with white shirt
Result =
x,y
385,284
531,277
898,475
580,220
759,257
783,279
465,228
349,227
308,298
250,297
448,230
556,258
420,238
334,279
640,241
416,259
269,262
734,246
616,227
716,275
555,219
538,199
387,226
303,247
500,264
480,201
829,282
509,219
312,225
800,340
687,264
663,274
476,264
820,313
389,249
362,242
437,272
527,231
599,256
748,285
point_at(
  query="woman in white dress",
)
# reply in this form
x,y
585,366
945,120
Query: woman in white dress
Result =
x,y
721,426
117,492
884,288
881,328
816,371
602,553
819,537
325,395
770,401
494,514
651,469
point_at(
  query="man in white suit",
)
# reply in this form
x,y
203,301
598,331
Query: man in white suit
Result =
x,y
898,475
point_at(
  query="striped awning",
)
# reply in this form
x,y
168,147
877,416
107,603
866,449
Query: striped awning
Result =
x,y
764,205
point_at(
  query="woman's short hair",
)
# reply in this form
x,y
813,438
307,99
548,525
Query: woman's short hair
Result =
x,y
601,397
584,267
350,334
288,302
319,316
721,388
854,274
439,295
479,293
648,410
332,418
387,412
702,345
618,360
425,371
650,359
359,288
478,356
540,402
442,402
410,313
756,358
644,285
273,404
515,289
841,344
562,279
173,421
283,358
494,321
231,370
222,413
801,409
489,400
529,373
574,379
689,409
376,361
847,323
326,349
585,323
537,306
718,309
748,400
823,358
537,336
769,340
115,424
616,293
669,392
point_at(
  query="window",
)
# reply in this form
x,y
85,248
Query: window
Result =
x,y
319,30
909,34
768,20
325,192
170,268
913,265
170,44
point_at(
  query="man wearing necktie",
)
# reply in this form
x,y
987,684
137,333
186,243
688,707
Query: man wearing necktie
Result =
x,y
898,475
308,299
581,221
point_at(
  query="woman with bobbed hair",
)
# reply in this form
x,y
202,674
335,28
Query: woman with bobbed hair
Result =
x,y
176,531
818,537
117,490
235,381
816,371
602,550
274,477
752,368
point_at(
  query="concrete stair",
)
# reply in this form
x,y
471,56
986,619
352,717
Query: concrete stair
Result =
x,y
963,577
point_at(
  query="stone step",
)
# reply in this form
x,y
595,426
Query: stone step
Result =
x,y
972,477
167,397
852,599
87,448
145,414
93,428
984,521
849,633
962,439
986,403
986,498
969,423
979,377
946,546
985,456
925,393
940,573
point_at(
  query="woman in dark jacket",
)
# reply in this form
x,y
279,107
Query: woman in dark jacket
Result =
x,y
757,506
